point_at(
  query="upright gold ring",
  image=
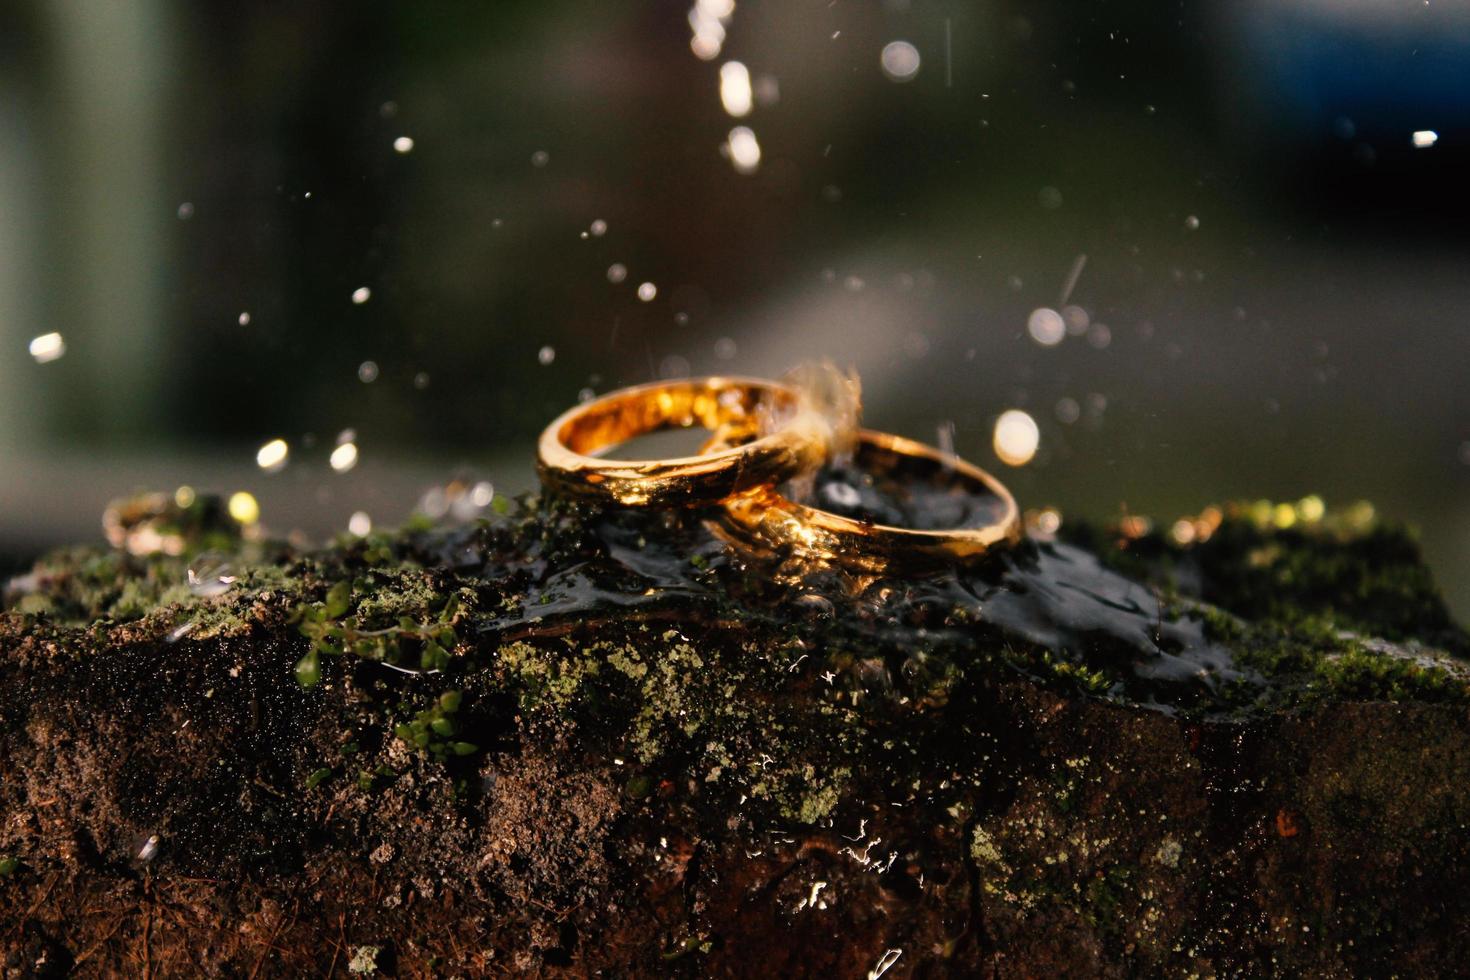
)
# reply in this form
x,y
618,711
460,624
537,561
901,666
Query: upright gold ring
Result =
x,y
764,519
767,432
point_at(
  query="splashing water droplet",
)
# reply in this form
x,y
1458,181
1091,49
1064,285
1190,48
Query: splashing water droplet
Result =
x,y
1016,437
361,295
743,149
244,508
273,456
403,144
900,61
735,91
1046,326
344,457
47,347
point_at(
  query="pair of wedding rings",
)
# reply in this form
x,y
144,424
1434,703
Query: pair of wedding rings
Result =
x,y
764,434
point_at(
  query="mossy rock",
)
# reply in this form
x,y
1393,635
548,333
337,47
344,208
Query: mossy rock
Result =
x,y
568,741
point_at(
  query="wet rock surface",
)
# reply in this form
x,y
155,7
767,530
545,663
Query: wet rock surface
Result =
x,y
563,741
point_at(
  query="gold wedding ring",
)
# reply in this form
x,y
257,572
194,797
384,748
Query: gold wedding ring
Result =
x,y
766,434
765,520
767,431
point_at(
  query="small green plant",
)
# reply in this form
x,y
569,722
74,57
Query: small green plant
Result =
x,y
433,729
333,632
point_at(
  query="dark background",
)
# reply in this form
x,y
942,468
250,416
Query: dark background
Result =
x,y
1280,271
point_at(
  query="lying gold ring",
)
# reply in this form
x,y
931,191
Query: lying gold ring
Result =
x,y
770,522
767,431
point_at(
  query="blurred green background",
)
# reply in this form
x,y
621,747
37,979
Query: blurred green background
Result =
x,y
432,224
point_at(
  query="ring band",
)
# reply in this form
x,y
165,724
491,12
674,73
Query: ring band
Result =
x,y
769,521
785,436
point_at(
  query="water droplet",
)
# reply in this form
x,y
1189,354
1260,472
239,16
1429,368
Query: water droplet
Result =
x,y
540,158
210,576
1099,336
598,228
361,295
735,91
673,366
403,144
1192,222
647,291
186,211
546,355
743,149
273,456
244,508
900,61
482,493
725,349
344,457
47,347
421,380
1424,138
1068,411
1046,326
617,272
367,372
243,319
842,495
1077,320
1016,437
359,524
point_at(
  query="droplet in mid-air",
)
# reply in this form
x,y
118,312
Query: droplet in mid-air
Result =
x,y
361,295
47,348
546,355
1016,437
359,524
403,144
244,508
1046,326
344,457
367,372
735,91
743,150
647,291
900,61
273,456
617,272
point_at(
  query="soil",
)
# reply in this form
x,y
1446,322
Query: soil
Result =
x,y
556,741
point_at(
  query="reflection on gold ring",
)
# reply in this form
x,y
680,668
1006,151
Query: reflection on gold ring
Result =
x,y
767,432
765,520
